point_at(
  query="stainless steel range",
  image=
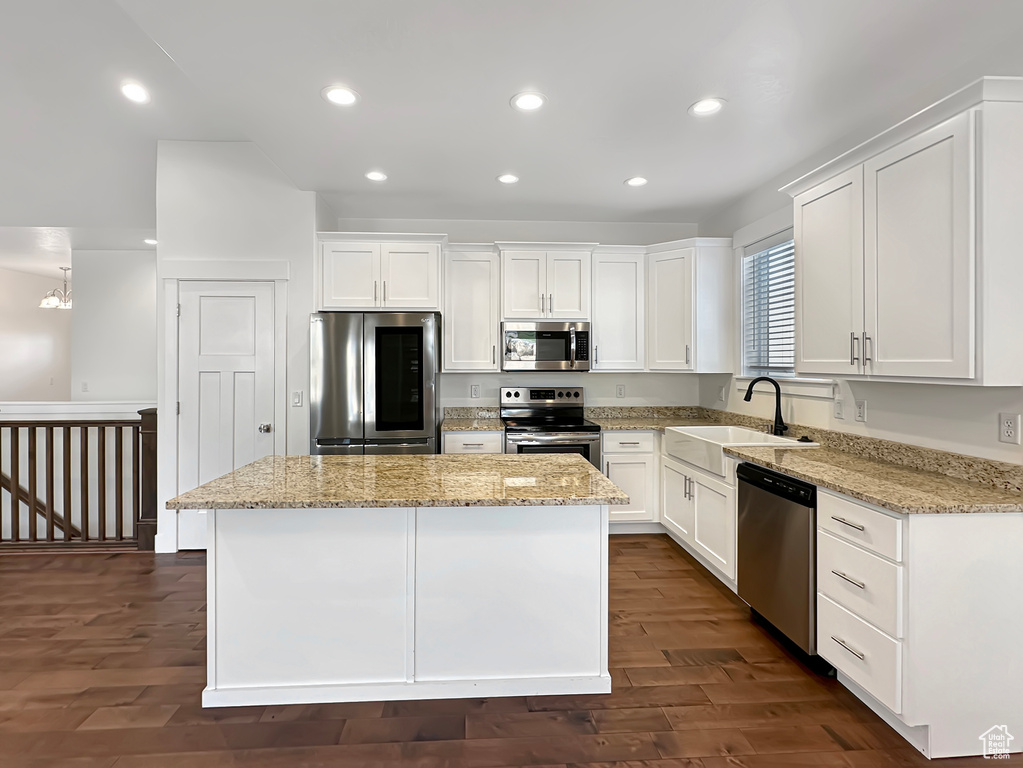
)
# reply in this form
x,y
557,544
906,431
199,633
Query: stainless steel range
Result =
x,y
548,420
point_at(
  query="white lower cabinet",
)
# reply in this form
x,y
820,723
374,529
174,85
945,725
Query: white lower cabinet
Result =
x,y
700,509
631,463
473,442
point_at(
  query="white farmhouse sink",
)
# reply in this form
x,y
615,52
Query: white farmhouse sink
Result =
x,y
702,446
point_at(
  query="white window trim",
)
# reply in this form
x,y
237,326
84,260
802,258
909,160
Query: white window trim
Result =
x,y
794,386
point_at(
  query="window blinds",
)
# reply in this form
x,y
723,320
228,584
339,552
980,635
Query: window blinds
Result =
x,y
768,309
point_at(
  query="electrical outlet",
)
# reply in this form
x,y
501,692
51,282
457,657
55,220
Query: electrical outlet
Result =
x,y
474,390
839,408
620,390
296,398
861,410
1008,428
723,394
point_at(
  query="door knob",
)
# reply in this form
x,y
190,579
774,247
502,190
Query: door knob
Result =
x,y
265,427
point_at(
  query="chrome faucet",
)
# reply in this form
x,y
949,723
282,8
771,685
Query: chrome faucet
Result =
x,y
780,427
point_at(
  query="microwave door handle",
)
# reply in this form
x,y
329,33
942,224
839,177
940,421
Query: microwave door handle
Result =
x,y
571,335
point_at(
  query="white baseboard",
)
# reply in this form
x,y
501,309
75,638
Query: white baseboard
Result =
x,y
421,689
631,527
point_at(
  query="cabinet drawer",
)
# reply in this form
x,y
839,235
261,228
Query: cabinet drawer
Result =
x,y
867,655
862,582
872,530
474,442
628,442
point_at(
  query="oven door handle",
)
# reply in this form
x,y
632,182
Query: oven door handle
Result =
x,y
560,437
571,344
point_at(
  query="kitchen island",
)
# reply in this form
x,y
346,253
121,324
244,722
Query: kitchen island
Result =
x,y
361,578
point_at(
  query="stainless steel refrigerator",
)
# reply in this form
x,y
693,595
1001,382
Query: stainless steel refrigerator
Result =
x,y
373,382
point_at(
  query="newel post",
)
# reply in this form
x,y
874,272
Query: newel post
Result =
x,y
146,525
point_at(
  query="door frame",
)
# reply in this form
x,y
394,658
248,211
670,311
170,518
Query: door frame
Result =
x,y
170,274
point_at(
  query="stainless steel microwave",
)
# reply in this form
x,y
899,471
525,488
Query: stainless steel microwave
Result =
x,y
545,346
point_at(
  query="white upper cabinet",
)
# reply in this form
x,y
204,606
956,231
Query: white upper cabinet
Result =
x,y
350,275
690,306
918,255
410,275
671,310
907,247
378,275
828,230
472,311
546,284
619,312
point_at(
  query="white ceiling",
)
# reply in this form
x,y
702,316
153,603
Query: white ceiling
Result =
x,y
435,80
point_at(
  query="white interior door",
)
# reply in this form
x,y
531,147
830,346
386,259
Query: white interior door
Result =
x,y
225,386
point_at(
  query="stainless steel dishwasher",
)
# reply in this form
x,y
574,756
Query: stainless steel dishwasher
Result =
x,y
777,573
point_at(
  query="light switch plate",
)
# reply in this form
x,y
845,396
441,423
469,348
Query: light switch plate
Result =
x,y
861,410
296,398
839,408
474,390
620,390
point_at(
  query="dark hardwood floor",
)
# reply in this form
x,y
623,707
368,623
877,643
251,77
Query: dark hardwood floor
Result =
x,y
102,661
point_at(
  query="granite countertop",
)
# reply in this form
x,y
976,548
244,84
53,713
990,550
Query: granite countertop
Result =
x,y
472,425
648,423
296,482
894,487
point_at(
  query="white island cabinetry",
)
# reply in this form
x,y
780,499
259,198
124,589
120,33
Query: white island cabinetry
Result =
x,y
351,578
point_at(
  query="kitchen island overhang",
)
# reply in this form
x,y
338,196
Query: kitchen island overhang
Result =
x,y
349,578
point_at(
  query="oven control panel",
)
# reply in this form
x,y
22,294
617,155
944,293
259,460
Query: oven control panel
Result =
x,y
542,396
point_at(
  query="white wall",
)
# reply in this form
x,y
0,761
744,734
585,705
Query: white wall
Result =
x,y
640,388
223,202
489,231
35,344
113,334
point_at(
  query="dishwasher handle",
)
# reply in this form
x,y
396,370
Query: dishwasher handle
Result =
x,y
787,487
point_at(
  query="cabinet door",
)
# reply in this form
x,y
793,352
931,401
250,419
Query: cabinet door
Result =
x,y
714,515
524,281
472,317
410,276
634,474
350,275
619,315
568,285
828,231
919,257
676,507
671,310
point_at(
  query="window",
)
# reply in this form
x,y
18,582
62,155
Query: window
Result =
x,y
768,307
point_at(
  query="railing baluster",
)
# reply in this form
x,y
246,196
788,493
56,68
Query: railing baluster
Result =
x,y
119,483
136,485
68,526
101,479
32,495
49,483
83,472
15,484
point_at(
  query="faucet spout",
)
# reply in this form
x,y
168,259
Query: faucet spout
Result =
x,y
780,428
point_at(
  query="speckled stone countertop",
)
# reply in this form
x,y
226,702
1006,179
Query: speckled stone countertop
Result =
x,y
297,482
472,425
647,423
898,488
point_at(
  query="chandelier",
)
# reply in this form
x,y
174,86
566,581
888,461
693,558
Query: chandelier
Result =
x,y
57,298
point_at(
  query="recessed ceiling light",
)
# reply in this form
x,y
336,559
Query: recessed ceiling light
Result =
x,y
149,241
528,101
376,176
134,91
636,181
507,178
340,94
705,107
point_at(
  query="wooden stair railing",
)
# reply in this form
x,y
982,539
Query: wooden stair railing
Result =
x,y
93,507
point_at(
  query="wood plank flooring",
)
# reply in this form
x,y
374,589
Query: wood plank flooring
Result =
x,y
102,661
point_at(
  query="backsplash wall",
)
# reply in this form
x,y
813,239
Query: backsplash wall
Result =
x,y
640,388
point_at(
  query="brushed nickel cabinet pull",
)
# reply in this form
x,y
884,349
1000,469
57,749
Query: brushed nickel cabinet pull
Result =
x,y
851,580
843,521
385,291
853,341
851,650
866,355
